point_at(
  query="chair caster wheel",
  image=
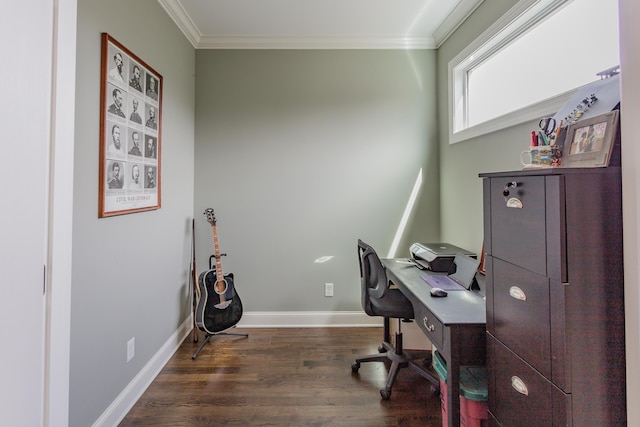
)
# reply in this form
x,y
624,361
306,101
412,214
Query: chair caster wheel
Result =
x,y
355,367
435,390
386,394
382,349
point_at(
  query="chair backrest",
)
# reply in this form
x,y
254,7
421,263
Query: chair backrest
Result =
x,y
373,277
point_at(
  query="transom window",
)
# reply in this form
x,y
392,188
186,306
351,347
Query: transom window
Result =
x,y
527,64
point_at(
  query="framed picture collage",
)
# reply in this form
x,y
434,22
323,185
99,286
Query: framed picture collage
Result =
x,y
130,132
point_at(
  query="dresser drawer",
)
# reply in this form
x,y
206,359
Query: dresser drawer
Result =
x,y
518,229
518,392
526,222
430,325
520,314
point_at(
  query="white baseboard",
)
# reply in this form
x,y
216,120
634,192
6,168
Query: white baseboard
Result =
x,y
257,319
132,392
307,319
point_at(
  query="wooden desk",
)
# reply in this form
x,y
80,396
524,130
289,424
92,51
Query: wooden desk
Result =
x,y
455,325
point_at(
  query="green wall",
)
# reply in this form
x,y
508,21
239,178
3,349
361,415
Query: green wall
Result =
x,y
301,153
130,274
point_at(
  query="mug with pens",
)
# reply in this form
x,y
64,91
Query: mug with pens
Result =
x,y
544,152
549,132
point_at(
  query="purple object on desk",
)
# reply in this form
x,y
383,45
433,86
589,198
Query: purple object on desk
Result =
x,y
443,282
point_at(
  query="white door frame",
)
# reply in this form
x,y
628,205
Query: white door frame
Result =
x,y
60,215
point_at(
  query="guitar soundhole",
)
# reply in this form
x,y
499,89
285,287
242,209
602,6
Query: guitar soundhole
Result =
x,y
221,287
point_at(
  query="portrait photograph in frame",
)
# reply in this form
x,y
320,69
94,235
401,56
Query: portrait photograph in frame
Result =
x,y
589,142
130,132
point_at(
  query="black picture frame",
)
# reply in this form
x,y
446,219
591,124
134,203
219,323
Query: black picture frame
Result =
x,y
130,132
589,142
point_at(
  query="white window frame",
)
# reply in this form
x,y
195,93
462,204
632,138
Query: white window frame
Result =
x,y
520,18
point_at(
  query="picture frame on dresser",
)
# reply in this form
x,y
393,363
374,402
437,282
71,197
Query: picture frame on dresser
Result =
x,y
589,143
130,132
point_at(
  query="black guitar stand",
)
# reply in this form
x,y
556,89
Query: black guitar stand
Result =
x,y
208,337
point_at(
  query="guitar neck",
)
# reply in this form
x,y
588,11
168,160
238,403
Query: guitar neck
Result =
x,y
216,251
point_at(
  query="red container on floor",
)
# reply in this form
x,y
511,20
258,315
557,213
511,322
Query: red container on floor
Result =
x,y
473,393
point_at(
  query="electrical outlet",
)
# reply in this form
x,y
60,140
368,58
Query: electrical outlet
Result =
x,y
328,289
131,349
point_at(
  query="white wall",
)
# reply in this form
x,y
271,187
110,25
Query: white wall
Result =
x,y
37,152
25,118
630,62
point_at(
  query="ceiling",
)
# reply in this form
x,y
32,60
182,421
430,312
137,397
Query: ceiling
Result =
x,y
318,24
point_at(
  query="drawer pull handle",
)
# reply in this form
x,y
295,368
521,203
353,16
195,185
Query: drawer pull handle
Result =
x,y
519,385
517,293
514,202
429,327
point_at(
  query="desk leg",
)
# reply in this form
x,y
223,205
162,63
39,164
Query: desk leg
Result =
x,y
464,345
457,347
453,391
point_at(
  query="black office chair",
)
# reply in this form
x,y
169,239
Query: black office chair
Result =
x,y
378,299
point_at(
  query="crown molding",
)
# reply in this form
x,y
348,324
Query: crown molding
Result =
x,y
462,11
182,19
320,42
178,14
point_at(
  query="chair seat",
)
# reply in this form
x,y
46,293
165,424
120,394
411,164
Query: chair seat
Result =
x,y
394,304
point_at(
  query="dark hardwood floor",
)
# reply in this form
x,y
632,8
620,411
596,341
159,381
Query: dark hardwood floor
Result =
x,y
283,377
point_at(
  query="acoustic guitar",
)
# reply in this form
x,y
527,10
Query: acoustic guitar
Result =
x,y
219,306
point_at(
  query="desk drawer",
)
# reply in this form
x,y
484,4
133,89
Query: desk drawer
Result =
x,y
520,393
430,325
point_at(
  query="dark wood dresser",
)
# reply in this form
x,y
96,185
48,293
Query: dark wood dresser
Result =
x,y
555,297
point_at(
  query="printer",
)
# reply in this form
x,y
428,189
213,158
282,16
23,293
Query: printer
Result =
x,y
436,257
